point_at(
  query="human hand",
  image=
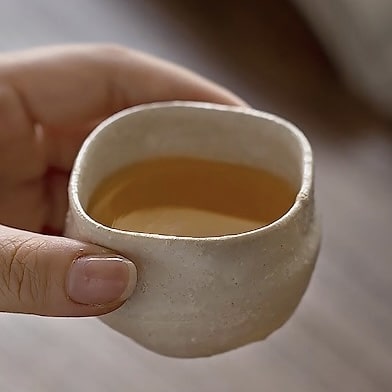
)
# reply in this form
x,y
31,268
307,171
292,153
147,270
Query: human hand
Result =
x,y
50,98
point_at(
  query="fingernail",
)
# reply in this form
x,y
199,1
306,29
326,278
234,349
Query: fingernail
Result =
x,y
101,279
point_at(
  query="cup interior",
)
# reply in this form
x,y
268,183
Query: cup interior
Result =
x,y
215,132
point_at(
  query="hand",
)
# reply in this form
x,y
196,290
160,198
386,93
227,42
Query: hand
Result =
x,y
50,99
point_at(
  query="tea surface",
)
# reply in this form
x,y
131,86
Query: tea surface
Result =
x,y
190,197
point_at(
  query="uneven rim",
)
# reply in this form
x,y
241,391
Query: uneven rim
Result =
x,y
302,195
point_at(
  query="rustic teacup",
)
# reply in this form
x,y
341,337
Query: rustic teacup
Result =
x,y
203,296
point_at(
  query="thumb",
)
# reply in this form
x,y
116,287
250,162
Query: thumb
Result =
x,y
56,276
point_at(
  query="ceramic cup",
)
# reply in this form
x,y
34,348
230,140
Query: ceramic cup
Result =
x,y
202,296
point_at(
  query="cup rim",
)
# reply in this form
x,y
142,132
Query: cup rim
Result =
x,y
301,198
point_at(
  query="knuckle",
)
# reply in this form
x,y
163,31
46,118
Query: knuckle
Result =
x,y
19,270
113,57
113,50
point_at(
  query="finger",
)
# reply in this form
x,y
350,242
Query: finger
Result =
x,y
24,205
21,147
56,190
56,276
68,85
62,145
66,88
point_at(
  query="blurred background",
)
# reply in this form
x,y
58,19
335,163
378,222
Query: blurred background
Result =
x,y
293,60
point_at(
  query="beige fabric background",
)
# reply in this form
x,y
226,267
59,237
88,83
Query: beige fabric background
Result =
x,y
358,36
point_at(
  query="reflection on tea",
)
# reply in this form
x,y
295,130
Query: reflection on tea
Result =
x,y
190,197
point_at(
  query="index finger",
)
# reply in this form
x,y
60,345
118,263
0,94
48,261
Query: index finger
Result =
x,y
70,86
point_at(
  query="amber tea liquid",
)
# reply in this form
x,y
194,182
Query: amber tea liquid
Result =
x,y
190,197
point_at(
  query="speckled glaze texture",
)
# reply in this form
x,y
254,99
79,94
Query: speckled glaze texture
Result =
x,y
202,296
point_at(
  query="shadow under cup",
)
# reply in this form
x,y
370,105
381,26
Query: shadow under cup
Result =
x,y
202,296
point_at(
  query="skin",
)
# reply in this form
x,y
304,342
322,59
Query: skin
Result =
x,y
50,99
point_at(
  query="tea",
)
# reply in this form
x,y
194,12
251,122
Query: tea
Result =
x,y
190,197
